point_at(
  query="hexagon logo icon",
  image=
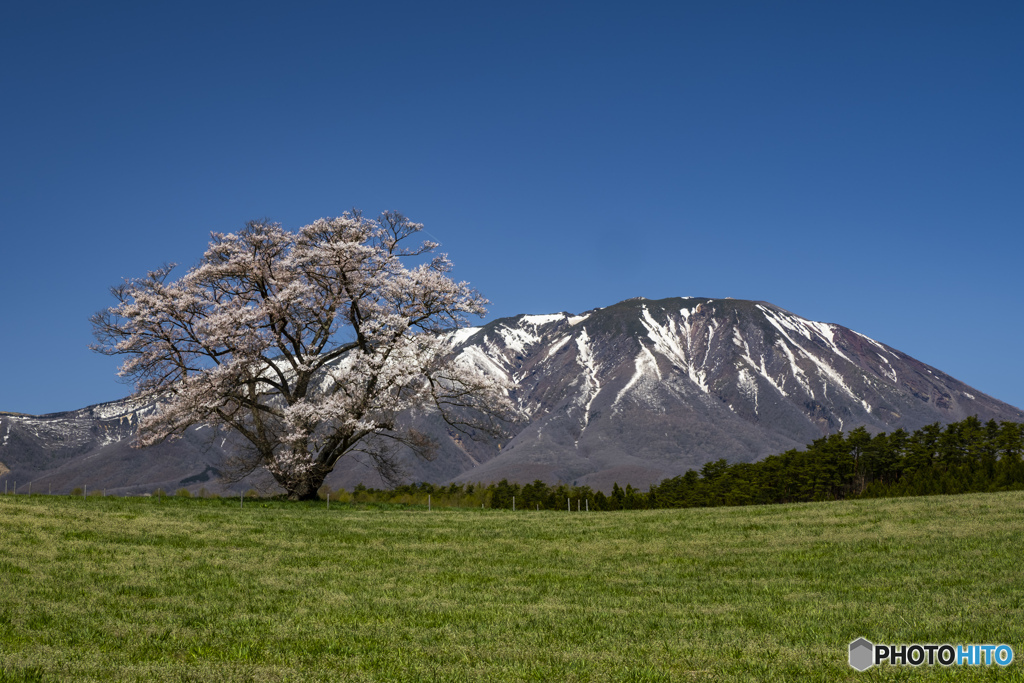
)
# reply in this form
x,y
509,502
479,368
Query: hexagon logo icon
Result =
x,y
862,654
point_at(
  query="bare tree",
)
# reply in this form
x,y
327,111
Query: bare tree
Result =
x,y
309,345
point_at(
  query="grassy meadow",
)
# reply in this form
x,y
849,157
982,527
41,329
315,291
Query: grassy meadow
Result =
x,y
177,589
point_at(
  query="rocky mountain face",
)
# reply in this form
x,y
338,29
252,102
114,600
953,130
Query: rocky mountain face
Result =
x,y
632,393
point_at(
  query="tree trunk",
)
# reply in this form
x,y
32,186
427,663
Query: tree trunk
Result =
x,y
306,487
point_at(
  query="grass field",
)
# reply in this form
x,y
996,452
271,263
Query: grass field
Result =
x,y
199,590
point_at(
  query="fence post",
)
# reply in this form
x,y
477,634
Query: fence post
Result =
x,y
513,503
85,491
568,504
241,497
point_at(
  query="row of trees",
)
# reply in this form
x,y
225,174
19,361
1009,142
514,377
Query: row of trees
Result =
x,y
503,495
967,456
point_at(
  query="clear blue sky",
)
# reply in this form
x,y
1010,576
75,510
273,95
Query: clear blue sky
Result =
x,y
859,163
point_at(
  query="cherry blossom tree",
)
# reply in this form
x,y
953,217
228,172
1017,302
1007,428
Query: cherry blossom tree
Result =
x,y
310,345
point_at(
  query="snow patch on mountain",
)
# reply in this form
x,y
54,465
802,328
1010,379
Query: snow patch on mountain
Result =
x,y
759,367
825,371
591,384
475,357
537,320
665,338
748,386
107,411
888,370
109,437
879,345
459,336
797,372
646,377
557,345
517,339
826,333
828,371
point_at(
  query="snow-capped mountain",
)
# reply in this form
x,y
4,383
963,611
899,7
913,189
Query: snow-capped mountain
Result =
x,y
644,390
92,448
631,393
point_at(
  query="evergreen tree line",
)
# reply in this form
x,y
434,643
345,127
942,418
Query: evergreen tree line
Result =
x,y
967,456
963,457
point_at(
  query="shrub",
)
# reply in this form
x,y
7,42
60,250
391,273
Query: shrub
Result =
x,y
339,496
183,493
360,494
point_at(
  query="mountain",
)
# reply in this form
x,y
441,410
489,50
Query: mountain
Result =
x,y
632,393
92,447
644,390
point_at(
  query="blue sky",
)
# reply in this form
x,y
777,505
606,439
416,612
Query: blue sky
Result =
x,y
857,163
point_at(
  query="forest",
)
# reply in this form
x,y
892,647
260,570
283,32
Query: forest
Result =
x,y
962,457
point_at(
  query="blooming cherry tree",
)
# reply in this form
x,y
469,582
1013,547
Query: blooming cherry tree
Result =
x,y
309,345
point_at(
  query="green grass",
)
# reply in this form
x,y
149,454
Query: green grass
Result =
x,y
198,590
